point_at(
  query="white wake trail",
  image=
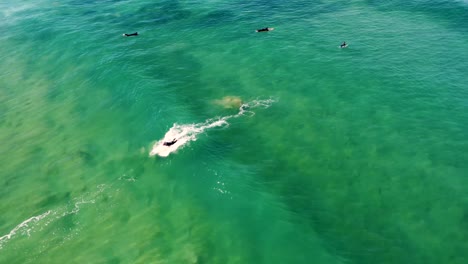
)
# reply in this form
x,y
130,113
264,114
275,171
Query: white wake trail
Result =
x,y
189,132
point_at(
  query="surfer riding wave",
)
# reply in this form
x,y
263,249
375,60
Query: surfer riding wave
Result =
x,y
178,135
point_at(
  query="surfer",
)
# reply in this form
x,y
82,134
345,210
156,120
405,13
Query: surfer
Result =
x,y
132,34
264,29
343,45
170,143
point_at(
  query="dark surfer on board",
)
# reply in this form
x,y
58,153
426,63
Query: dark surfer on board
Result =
x,y
130,35
264,29
343,45
170,143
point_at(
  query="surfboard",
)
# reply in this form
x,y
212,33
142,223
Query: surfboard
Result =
x,y
269,29
342,47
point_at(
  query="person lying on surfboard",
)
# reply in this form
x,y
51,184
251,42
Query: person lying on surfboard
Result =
x,y
129,35
170,143
264,29
343,45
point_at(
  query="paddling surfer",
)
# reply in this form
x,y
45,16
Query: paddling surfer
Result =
x,y
130,35
264,29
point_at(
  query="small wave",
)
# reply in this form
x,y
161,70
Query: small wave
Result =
x,y
189,132
42,220
25,227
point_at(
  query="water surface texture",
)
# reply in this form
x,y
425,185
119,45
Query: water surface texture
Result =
x,y
291,150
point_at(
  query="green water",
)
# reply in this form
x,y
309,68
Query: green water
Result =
x,y
361,158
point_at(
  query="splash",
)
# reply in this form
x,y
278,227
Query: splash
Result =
x,y
189,132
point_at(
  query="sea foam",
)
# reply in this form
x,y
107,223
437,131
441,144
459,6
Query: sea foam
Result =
x,y
185,133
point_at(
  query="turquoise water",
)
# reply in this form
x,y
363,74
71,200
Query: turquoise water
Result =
x,y
353,155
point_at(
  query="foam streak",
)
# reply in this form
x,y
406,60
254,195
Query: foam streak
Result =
x,y
25,225
188,132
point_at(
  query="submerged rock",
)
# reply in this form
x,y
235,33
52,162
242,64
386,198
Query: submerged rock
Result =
x,y
229,102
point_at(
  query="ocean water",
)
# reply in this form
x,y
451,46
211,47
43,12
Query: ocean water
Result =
x,y
290,149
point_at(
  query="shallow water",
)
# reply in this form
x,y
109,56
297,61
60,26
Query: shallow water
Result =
x,y
360,157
